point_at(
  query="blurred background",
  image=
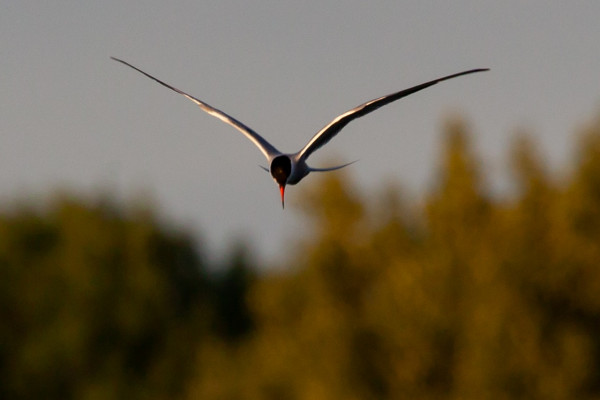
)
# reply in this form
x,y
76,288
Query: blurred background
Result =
x,y
144,254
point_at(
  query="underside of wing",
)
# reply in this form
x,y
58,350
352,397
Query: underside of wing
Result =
x,y
265,147
335,126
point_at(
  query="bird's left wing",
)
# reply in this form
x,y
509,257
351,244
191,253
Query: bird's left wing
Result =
x,y
335,126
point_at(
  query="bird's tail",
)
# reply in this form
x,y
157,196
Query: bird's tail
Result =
x,y
331,168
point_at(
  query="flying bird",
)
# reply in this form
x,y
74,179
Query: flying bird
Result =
x,y
290,168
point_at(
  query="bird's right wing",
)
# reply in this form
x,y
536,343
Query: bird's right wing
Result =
x,y
265,147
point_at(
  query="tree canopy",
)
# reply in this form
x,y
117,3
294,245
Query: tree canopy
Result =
x,y
463,295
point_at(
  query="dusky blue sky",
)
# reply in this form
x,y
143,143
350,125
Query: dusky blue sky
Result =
x,y
71,118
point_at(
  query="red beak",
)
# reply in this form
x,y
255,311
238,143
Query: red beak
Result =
x,y
282,190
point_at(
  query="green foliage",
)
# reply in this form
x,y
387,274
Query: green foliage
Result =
x,y
463,295
95,304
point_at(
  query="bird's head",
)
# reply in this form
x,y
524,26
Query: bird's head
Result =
x,y
281,168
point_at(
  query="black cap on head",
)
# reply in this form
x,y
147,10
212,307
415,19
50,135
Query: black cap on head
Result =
x,y
281,167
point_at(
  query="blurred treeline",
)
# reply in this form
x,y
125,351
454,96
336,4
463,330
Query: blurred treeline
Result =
x,y
461,295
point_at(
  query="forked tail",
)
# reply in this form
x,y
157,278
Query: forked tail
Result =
x,y
331,168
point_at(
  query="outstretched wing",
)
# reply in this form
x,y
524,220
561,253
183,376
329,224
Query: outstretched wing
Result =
x,y
335,126
265,147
